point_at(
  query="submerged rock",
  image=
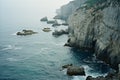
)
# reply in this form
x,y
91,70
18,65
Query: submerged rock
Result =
x,y
73,71
44,19
26,32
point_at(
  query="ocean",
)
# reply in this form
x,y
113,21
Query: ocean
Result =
x,y
38,56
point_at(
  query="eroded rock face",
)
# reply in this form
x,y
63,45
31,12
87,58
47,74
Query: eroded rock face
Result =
x,y
98,28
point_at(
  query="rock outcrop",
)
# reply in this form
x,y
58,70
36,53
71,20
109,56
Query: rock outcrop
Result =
x,y
96,27
26,32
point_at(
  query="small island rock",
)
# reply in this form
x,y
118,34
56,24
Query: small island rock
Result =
x,y
46,29
26,32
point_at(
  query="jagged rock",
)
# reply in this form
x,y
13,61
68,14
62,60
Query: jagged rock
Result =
x,y
61,32
73,71
26,32
44,19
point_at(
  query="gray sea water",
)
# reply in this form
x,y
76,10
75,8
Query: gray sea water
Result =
x,y
39,56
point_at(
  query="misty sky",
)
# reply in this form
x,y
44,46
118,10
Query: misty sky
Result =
x,y
15,10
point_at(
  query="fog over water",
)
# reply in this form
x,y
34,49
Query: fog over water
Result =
x,y
12,11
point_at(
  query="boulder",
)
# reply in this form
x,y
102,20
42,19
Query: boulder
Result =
x,y
73,71
44,19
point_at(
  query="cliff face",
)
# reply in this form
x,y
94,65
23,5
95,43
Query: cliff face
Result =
x,y
65,11
97,28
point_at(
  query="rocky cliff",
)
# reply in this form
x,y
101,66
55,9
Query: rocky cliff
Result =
x,y
65,11
97,28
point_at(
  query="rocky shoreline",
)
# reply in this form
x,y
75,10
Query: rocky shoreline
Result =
x,y
73,70
95,27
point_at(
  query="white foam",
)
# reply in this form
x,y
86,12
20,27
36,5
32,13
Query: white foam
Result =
x,y
11,47
57,44
8,47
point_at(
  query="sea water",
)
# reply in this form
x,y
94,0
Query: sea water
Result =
x,y
39,56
